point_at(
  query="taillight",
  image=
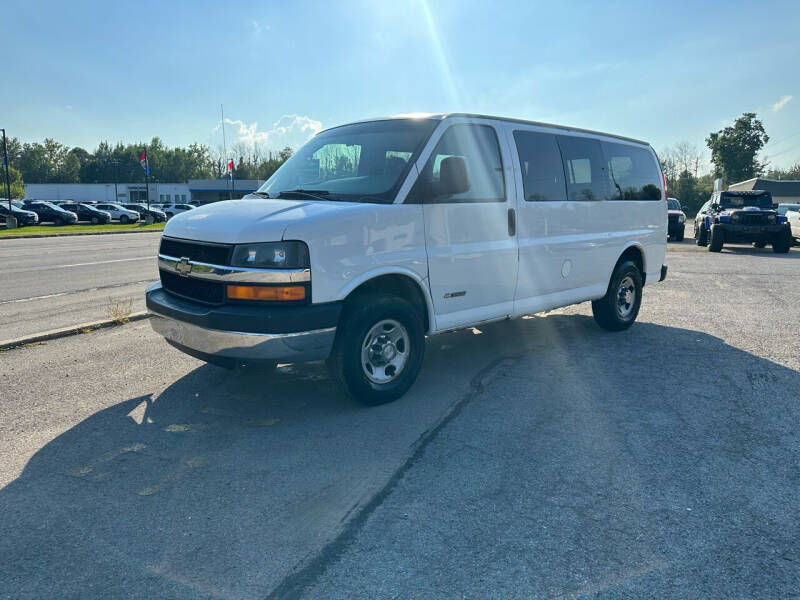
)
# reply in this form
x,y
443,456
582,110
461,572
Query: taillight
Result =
x,y
664,180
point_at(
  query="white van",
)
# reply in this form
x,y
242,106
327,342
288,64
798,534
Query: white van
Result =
x,y
376,234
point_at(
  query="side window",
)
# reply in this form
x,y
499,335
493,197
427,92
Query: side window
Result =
x,y
583,168
478,146
633,173
541,166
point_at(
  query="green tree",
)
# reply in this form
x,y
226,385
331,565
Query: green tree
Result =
x,y
792,172
17,187
734,150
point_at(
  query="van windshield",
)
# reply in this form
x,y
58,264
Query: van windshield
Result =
x,y
363,162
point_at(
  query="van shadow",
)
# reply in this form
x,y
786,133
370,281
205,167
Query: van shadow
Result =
x,y
221,484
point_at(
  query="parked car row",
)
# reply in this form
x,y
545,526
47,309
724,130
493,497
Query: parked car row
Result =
x,y
68,212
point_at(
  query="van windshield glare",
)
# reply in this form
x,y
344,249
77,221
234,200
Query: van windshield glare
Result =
x,y
363,162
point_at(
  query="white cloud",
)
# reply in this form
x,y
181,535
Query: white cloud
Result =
x,y
781,103
289,130
256,27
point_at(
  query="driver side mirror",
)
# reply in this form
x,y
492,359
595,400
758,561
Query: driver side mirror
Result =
x,y
453,177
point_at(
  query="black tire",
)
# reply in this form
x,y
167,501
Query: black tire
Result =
x,y
124,219
701,237
95,220
58,222
169,215
362,315
715,239
782,244
679,237
759,244
611,311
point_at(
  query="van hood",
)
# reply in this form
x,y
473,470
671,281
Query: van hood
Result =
x,y
250,220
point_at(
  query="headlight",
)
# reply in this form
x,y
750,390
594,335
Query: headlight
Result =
x,y
272,255
771,219
681,218
735,217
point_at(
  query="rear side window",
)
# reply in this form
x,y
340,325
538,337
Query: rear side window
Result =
x,y
478,145
633,173
584,168
541,167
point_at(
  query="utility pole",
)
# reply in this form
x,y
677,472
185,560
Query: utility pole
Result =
x,y
8,180
116,176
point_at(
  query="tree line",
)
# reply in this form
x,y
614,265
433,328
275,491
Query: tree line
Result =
x,y
53,162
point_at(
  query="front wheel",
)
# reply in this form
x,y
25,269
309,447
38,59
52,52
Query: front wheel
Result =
x,y
701,236
782,244
617,310
169,215
715,240
679,237
379,348
759,244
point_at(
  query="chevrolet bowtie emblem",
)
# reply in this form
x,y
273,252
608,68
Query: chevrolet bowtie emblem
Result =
x,y
183,267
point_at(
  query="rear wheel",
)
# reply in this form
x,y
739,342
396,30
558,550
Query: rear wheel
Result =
x,y
95,220
379,348
679,237
759,244
617,310
715,239
124,219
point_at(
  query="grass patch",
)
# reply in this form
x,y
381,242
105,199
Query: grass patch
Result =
x,y
119,311
76,229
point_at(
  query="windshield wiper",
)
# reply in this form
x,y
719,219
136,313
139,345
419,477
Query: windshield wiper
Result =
x,y
259,194
316,194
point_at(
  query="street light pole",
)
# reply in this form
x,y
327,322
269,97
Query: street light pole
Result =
x,y
8,180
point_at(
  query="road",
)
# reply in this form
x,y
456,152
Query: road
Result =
x,y
540,458
62,281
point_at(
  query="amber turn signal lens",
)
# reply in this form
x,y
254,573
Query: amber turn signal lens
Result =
x,y
269,293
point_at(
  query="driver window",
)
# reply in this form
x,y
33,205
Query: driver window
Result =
x,y
478,146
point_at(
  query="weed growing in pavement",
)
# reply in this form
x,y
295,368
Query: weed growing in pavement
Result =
x,y
119,310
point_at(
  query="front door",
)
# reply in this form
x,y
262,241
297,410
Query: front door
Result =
x,y
470,236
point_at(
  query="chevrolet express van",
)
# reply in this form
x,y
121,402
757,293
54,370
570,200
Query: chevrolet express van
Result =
x,y
377,234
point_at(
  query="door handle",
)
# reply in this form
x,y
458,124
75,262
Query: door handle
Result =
x,y
512,222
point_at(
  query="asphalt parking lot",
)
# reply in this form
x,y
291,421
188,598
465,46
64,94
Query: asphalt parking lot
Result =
x,y
539,458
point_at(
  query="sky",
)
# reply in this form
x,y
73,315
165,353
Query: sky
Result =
x,y
665,72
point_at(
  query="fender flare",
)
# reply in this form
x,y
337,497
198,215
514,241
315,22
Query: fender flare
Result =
x,y
381,271
625,248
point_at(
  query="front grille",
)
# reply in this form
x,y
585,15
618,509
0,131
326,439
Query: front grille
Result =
x,y
200,290
752,219
206,252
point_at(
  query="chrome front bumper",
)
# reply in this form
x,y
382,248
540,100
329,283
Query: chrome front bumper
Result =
x,y
283,347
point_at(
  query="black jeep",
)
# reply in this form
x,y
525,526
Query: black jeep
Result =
x,y
741,217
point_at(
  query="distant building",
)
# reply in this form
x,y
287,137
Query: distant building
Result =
x,y
201,191
214,190
782,190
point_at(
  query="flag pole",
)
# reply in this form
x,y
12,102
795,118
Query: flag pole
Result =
x,y
224,150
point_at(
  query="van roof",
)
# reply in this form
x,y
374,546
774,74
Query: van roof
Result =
x,y
442,116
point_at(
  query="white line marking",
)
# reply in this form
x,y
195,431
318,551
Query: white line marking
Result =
x,y
92,289
87,264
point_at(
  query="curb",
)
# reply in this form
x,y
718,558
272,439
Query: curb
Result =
x,y
54,334
47,235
